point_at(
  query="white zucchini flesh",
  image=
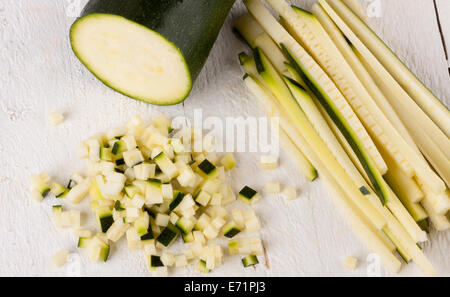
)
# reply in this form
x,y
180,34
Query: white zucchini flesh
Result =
x,y
131,59
398,97
378,126
437,111
404,217
359,222
335,66
440,203
440,222
299,120
402,185
341,43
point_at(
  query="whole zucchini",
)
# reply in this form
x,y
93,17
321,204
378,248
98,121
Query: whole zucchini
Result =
x,y
150,50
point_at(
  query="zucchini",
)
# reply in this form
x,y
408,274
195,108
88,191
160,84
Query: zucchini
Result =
x,y
153,192
168,235
166,165
118,206
38,184
105,219
248,29
435,109
83,242
148,236
58,190
228,161
250,261
106,154
155,261
131,190
188,237
118,148
231,229
148,50
201,267
208,169
185,225
248,195
178,197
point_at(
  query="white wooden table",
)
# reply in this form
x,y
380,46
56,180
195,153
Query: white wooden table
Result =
x,y
39,74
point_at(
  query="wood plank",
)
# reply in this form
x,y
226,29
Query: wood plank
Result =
x,y
410,28
443,12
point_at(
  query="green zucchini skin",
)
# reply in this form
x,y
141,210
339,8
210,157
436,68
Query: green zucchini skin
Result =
x,y
192,25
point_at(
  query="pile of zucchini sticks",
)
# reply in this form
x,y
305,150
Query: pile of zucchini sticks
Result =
x,y
350,108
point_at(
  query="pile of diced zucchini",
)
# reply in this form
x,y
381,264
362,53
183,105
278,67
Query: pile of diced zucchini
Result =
x,y
145,184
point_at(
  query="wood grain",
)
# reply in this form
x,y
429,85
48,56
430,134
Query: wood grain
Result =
x,y
443,13
39,74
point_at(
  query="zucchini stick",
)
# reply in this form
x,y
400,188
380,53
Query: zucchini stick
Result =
x,y
247,28
406,188
440,222
297,156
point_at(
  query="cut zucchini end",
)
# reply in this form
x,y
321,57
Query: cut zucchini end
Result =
x,y
128,70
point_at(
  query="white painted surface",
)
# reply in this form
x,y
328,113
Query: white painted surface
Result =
x,y
39,74
443,7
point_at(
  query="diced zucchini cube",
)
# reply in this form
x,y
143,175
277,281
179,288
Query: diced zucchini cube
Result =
x,y
250,261
208,169
59,259
248,195
231,229
133,157
228,161
203,198
290,193
168,235
201,267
